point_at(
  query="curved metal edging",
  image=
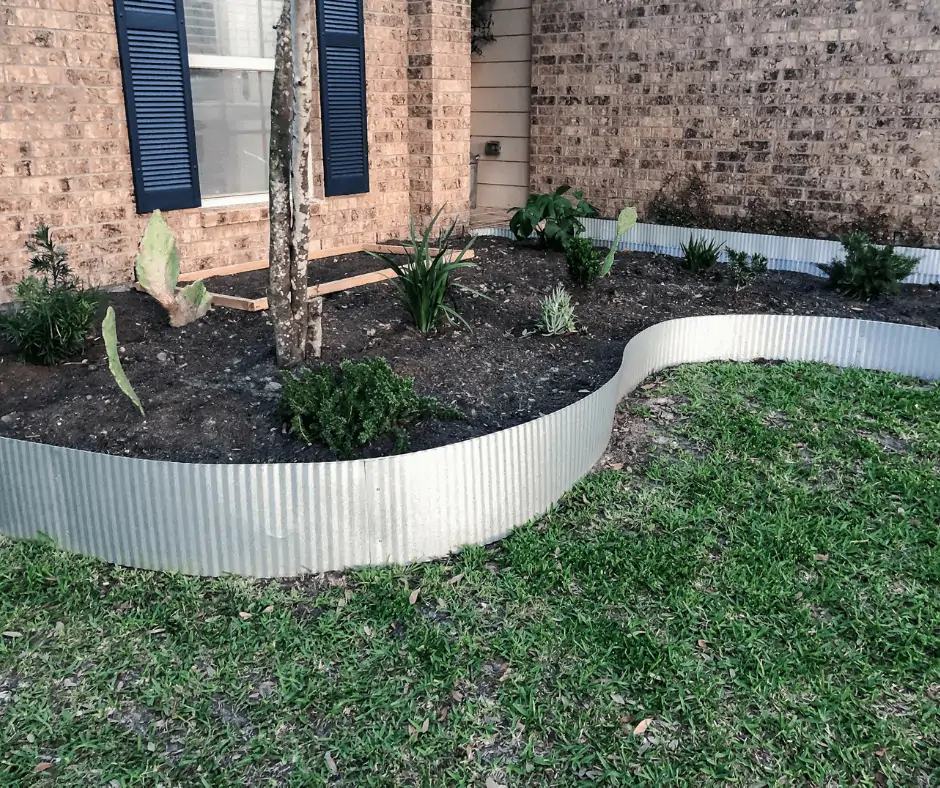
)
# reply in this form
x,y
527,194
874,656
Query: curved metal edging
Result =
x,y
286,519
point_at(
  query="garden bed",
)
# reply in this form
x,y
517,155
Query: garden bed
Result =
x,y
211,390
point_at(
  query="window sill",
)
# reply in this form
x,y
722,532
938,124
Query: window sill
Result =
x,y
236,201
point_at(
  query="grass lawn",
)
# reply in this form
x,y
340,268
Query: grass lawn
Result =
x,y
756,601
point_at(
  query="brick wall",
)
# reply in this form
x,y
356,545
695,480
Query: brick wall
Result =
x,y
65,161
819,106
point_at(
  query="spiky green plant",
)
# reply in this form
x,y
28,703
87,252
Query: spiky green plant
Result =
x,y
700,256
625,222
743,268
868,270
556,313
109,334
424,281
158,270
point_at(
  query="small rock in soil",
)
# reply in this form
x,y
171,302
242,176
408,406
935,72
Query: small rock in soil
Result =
x,y
162,356
8,419
273,386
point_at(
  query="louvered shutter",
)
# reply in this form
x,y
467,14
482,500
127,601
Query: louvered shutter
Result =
x,y
341,44
155,68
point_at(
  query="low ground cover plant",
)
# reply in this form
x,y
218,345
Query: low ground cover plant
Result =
x,y
52,315
700,255
554,218
349,408
584,261
868,270
424,281
556,313
743,268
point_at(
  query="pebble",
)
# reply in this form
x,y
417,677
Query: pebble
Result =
x,y
273,386
8,419
161,356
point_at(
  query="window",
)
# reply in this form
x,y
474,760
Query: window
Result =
x,y
231,65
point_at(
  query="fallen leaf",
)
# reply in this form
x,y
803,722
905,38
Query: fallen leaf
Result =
x,y
641,727
41,767
414,596
702,643
425,725
155,631
457,696
491,783
616,466
244,616
821,557
455,579
505,674
11,634
443,715
368,630
882,752
268,609
330,763
618,699
648,386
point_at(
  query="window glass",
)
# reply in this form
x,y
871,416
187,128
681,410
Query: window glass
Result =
x,y
231,103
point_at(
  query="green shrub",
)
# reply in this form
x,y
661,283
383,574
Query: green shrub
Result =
x,y
556,314
699,255
584,261
553,218
868,270
424,281
743,269
354,406
51,316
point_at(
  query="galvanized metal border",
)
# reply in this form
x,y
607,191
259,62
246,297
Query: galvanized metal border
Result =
x,y
287,519
784,253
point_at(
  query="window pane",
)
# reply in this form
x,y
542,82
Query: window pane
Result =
x,y
236,28
233,122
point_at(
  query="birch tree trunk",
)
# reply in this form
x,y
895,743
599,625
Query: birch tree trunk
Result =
x,y
289,182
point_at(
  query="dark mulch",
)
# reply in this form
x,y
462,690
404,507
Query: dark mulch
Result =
x,y
214,398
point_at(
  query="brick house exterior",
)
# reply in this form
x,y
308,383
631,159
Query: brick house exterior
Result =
x,y
65,156
826,107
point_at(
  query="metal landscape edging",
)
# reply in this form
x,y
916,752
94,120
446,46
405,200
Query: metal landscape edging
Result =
x,y
784,253
287,519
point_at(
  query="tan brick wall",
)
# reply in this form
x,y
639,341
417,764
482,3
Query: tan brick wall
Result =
x,y
817,105
65,161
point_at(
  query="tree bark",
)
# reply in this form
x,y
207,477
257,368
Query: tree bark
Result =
x,y
314,327
289,182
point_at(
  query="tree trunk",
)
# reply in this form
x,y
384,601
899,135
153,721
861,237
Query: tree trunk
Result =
x,y
314,327
288,182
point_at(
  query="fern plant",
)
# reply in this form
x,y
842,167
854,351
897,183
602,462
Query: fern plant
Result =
x,y
349,409
868,270
556,313
699,255
47,258
424,281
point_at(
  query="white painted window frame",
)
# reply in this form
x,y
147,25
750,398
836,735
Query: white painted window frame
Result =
x,y
230,63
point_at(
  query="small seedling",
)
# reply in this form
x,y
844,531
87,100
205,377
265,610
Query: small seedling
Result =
x,y
743,269
700,255
556,313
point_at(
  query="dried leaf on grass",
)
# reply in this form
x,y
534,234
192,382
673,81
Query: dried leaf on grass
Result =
x,y
641,727
330,763
414,596
41,767
492,783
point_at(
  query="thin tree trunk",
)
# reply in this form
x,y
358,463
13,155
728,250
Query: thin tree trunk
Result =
x,y
279,253
314,327
301,52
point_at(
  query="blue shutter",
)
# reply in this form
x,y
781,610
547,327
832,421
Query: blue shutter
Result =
x,y
155,69
341,42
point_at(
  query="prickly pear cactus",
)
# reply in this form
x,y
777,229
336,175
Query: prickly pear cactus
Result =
x,y
109,332
158,270
625,222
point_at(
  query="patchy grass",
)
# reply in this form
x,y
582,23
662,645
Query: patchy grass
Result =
x,y
758,600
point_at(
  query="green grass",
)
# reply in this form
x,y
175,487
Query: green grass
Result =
x,y
767,597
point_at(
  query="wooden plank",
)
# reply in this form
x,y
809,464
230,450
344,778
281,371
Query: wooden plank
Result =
x,y
223,270
400,249
338,285
260,265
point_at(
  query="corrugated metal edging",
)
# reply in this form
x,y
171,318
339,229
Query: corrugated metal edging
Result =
x,y
282,520
784,253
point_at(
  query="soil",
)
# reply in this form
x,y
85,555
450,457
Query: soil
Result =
x,y
211,389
